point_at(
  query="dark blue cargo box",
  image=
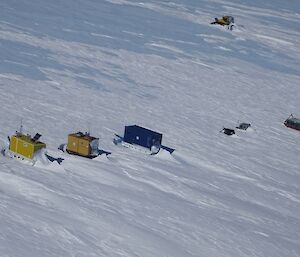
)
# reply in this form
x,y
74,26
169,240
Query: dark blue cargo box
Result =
x,y
141,136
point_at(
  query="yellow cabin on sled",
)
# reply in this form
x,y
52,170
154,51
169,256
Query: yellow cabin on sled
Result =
x,y
25,145
82,144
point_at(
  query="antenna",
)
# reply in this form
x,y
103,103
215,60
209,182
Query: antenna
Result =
x,y
21,126
18,133
89,128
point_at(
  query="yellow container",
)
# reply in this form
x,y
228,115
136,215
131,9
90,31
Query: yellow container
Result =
x,y
79,143
84,146
24,145
72,145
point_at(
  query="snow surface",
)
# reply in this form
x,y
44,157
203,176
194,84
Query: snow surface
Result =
x,y
100,65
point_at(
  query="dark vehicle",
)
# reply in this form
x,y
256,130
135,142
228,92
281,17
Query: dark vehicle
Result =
x,y
292,122
244,126
228,131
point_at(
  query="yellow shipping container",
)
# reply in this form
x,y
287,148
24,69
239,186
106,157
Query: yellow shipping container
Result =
x,y
72,145
79,143
84,146
24,145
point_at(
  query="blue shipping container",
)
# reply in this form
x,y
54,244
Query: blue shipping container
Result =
x,y
141,136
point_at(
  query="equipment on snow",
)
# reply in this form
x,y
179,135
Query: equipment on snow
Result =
x,y
225,21
243,126
292,122
82,144
228,131
142,139
26,148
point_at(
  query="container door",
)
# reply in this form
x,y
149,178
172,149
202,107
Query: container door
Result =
x,y
83,147
72,144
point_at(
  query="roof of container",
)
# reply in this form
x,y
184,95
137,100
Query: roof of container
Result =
x,y
144,129
83,136
27,139
294,120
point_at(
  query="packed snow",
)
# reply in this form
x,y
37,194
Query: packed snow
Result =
x,y
86,65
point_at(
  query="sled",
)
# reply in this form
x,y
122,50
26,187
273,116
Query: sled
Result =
x,y
98,152
27,149
154,149
40,155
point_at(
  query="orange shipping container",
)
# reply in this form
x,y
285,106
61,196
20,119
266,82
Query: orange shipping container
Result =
x,y
82,144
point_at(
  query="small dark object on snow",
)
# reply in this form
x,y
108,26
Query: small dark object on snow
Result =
x,y
52,159
228,131
244,126
292,122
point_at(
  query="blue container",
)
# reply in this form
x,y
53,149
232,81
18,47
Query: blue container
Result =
x,y
141,136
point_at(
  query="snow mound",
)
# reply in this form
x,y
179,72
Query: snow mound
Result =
x,y
165,155
41,161
101,158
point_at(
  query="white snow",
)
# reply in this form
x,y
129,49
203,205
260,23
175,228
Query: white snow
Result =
x,y
68,66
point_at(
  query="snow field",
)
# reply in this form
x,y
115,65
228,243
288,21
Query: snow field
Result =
x,y
98,66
